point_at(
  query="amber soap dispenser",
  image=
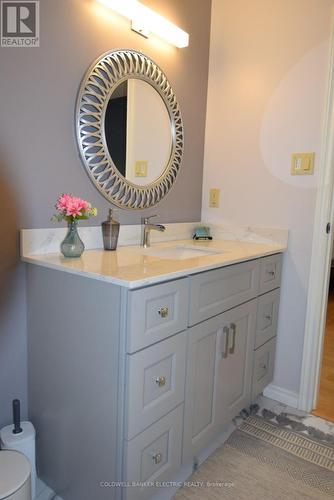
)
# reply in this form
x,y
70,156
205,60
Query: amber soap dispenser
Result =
x,y
110,232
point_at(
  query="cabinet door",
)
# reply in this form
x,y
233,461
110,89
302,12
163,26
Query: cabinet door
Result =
x,y
219,375
200,422
236,364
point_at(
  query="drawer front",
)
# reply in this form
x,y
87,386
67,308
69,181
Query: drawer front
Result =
x,y
270,275
267,315
215,291
155,382
155,313
154,455
263,368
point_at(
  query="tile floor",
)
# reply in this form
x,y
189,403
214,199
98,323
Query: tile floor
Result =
x,y
307,419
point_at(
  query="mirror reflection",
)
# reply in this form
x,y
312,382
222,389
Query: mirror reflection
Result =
x,y
138,131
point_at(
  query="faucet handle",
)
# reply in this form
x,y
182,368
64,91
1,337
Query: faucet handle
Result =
x,y
145,220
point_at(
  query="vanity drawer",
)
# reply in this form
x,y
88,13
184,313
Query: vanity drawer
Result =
x,y
270,274
214,292
154,455
155,382
155,313
263,368
267,315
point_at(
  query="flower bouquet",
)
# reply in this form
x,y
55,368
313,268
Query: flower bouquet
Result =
x,y
72,209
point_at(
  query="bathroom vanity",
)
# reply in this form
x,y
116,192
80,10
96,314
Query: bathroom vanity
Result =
x,y
134,380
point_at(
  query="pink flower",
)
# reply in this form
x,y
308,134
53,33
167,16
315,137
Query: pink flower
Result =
x,y
62,202
70,207
76,206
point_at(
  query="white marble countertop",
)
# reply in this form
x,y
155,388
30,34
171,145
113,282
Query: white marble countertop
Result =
x,y
134,267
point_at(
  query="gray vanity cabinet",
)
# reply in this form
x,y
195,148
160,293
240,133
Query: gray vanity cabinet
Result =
x,y
219,375
150,376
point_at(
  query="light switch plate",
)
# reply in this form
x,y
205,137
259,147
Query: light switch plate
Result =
x,y
214,198
302,163
141,168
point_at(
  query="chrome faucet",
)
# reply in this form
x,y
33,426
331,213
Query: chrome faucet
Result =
x,y
146,228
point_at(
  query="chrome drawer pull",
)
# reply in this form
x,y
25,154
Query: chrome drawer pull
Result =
x,y
161,381
157,457
233,327
272,273
226,332
163,311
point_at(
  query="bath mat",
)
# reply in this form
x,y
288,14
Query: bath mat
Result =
x,y
262,461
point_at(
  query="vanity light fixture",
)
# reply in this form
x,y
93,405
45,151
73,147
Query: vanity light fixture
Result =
x,y
146,21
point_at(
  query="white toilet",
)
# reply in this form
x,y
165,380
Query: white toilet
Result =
x,y
15,472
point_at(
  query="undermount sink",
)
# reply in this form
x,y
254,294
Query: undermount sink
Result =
x,y
180,252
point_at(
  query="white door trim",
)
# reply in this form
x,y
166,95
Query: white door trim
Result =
x,y
321,256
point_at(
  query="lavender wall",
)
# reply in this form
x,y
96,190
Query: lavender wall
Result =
x,y
38,153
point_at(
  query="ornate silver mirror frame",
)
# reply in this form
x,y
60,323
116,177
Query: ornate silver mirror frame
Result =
x,y
103,76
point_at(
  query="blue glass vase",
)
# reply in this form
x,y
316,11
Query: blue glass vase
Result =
x,y
72,246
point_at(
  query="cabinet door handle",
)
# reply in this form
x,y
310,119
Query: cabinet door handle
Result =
x,y
157,457
161,381
233,327
163,311
268,317
226,332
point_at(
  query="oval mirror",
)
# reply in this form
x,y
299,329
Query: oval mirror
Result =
x,y
129,129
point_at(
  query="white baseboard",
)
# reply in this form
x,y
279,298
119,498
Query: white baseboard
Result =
x,y
282,395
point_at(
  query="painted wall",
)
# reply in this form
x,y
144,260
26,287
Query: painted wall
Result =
x,y
267,84
38,153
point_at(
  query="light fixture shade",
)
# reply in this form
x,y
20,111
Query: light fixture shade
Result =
x,y
149,20
163,28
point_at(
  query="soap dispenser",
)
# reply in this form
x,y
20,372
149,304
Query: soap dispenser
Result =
x,y
110,231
